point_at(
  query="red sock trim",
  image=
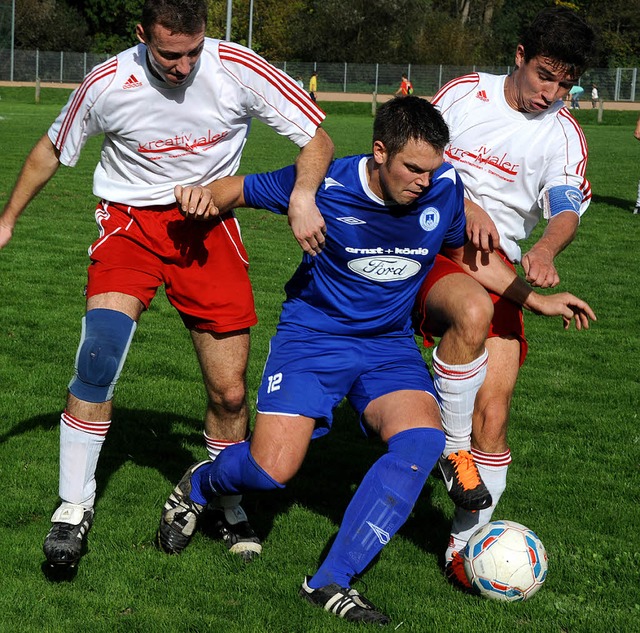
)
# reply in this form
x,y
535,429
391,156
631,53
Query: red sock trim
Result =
x,y
220,445
94,428
494,460
452,372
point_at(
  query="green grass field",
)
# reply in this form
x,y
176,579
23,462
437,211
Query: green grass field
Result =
x,y
574,434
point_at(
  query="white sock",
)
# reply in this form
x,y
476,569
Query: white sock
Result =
x,y
493,470
457,386
215,447
80,445
233,513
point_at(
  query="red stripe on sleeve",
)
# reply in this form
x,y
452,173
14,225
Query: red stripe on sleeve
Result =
x,y
109,68
454,83
279,80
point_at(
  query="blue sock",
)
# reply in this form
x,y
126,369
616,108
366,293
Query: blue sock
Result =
x,y
233,472
381,504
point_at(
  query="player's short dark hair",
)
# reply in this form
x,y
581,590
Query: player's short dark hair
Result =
x,y
562,35
178,16
402,119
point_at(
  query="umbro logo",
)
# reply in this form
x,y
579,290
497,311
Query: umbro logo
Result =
x,y
351,220
383,536
482,95
132,82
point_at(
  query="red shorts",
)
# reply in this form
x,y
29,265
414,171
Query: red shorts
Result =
x,y
203,265
507,316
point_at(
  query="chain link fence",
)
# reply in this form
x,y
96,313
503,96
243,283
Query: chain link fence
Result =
x,y
614,84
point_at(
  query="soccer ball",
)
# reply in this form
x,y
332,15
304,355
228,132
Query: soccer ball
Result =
x,y
505,560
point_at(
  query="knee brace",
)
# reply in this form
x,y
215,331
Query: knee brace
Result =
x,y
104,343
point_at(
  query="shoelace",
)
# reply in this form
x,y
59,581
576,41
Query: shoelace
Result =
x,y
466,470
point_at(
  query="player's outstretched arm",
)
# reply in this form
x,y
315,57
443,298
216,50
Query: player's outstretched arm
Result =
x,y
305,218
201,202
538,263
564,304
39,167
481,230
490,271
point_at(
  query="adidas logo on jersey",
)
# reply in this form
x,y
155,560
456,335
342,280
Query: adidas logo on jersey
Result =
x,y
482,95
132,82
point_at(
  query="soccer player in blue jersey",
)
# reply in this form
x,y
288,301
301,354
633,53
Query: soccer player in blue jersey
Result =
x,y
345,331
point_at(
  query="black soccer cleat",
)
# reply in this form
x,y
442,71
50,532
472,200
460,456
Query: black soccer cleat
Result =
x,y
179,515
232,526
66,541
464,484
344,602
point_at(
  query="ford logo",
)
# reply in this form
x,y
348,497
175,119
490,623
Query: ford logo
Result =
x,y
381,268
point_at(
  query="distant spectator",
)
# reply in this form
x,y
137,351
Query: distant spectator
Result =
x,y
313,85
575,93
300,82
406,87
594,96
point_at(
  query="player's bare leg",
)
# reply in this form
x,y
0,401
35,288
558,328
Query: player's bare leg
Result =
x,y
84,426
280,444
489,446
223,360
460,311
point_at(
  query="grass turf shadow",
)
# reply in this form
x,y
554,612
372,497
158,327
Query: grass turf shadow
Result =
x,y
333,468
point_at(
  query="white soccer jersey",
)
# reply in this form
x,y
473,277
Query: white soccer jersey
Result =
x,y
509,159
156,136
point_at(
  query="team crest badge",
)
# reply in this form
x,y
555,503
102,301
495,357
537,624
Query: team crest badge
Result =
x,y
429,218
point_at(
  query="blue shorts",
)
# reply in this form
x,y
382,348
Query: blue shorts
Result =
x,y
309,374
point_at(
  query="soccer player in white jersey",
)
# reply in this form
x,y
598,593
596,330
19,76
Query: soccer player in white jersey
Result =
x,y
176,108
345,331
522,157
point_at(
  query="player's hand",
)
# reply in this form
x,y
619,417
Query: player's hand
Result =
x,y
539,269
5,234
195,202
564,304
308,225
481,230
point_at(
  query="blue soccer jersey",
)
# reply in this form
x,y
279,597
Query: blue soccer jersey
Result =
x,y
376,256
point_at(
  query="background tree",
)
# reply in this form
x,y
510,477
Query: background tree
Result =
x,y
455,32
274,23
360,31
618,26
111,22
50,25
